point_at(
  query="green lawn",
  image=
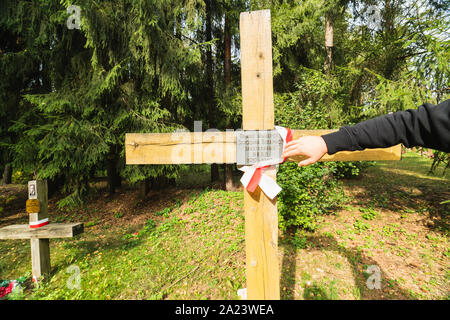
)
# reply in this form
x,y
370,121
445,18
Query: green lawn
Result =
x,y
189,250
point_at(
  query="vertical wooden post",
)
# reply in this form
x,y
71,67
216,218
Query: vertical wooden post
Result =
x,y
40,248
40,189
40,257
261,217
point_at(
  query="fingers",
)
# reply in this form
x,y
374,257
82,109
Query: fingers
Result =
x,y
312,147
290,148
291,153
293,148
291,143
306,162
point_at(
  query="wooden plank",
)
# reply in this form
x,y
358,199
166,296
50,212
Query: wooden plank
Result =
x,y
256,70
180,147
261,216
220,147
392,153
52,230
40,257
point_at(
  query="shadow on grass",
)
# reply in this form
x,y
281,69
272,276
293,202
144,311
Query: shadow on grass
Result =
x,y
402,193
358,263
110,244
400,188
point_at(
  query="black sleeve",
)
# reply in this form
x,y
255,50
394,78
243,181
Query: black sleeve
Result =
x,y
428,126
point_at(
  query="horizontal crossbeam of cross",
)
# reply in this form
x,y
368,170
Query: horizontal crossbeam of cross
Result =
x,y
50,231
220,147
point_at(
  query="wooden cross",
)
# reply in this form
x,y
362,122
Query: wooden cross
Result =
x,y
261,217
37,207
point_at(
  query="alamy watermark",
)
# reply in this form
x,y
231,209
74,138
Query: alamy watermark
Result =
x,y
74,281
74,20
194,147
374,17
374,280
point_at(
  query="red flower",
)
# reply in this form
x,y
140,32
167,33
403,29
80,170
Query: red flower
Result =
x,y
4,291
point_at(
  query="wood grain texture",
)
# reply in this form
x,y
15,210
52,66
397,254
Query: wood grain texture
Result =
x,y
256,70
261,216
40,257
180,147
391,153
220,147
52,230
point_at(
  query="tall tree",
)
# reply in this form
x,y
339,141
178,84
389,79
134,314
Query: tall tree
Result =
x,y
209,7
228,168
329,34
119,73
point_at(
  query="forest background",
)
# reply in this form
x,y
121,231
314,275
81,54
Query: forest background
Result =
x,y
69,95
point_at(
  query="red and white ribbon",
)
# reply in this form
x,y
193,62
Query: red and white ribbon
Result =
x,y
254,175
39,223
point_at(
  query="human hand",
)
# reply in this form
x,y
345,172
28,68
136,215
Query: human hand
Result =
x,y
313,147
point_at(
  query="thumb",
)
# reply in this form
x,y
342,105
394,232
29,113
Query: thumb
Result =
x,y
306,162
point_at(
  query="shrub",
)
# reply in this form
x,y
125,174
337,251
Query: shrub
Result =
x,y
316,103
349,169
307,192
21,177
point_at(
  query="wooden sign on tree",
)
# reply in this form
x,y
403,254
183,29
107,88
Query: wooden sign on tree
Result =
x,y
261,217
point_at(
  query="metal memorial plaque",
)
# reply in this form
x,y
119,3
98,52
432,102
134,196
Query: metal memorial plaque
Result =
x,y
257,146
32,192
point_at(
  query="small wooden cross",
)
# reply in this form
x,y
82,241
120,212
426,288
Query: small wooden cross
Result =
x,y
261,217
37,207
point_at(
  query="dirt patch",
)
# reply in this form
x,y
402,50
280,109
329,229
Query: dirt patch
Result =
x,y
125,207
12,201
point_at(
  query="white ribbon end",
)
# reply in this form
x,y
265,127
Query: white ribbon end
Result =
x,y
269,186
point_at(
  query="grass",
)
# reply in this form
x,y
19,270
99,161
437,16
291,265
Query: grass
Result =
x,y
185,243
174,258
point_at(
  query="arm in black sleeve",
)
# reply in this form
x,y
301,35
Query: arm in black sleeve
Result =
x,y
428,126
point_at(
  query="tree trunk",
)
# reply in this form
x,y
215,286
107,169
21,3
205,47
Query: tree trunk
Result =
x,y
117,179
55,184
328,65
214,172
227,43
110,171
144,188
210,81
389,34
7,174
228,177
228,168
114,179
